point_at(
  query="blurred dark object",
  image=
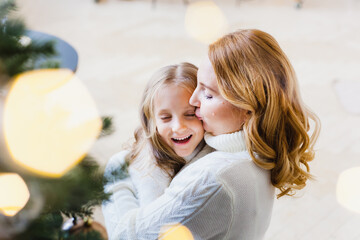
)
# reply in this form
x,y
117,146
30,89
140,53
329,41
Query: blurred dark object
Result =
x,y
155,1
152,1
67,56
299,4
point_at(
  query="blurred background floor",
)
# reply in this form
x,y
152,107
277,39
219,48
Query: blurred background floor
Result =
x,y
121,43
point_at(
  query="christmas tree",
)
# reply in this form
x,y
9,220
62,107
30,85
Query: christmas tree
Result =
x,y
50,200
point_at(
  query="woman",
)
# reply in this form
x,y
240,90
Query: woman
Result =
x,y
248,100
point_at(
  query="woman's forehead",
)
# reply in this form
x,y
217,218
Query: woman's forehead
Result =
x,y
206,75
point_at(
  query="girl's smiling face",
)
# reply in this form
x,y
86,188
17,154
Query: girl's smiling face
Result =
x,y
175,119
218,115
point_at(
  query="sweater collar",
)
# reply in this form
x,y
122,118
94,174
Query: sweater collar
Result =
x,y
230,142
195,152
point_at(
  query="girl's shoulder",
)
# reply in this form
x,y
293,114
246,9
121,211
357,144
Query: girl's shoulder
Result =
x,y
117,160
145,159
117,166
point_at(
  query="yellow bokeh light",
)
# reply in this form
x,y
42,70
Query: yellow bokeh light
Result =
x,y
205,21
175,232
50,121
348,189
14,194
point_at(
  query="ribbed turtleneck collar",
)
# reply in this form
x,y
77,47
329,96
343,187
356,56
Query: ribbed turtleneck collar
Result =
x,y
231,142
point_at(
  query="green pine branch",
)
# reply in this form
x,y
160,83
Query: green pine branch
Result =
x,y
45,227
107,127
81,189
74,195
7,7
16,56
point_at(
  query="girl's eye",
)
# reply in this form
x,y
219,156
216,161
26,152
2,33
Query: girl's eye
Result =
x,y
165,118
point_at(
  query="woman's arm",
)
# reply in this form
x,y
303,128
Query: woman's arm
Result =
x,y
194,199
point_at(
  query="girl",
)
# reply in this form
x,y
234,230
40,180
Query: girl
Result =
x,y
170,135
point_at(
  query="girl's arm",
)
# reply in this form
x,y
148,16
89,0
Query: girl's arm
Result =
x,y
149,183
146,183
150,180
123,191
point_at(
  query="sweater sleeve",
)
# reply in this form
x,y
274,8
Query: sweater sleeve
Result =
x,y
149,180
150,183
194,199
123,192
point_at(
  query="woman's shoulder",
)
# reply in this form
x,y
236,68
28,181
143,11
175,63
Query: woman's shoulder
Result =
x,y
209,167
225,169
218,160
235,166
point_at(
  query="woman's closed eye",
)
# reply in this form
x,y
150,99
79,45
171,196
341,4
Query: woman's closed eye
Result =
x,y
206,94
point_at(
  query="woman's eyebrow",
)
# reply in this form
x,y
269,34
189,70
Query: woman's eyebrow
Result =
x,y
206,86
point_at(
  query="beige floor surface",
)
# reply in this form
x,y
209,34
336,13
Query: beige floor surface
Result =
x,y
121,43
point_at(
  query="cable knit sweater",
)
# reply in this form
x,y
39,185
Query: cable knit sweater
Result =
x,y
149,180
222,195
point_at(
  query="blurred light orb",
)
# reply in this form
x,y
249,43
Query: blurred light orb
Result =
x,y
14,194
348,189
205,22
175,232
50,121
25,41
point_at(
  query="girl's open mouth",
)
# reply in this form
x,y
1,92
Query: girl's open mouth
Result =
x,y
182,140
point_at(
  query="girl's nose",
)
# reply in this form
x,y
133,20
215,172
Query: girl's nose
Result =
x,y
179,126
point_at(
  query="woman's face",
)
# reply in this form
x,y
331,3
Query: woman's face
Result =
x,y
217,114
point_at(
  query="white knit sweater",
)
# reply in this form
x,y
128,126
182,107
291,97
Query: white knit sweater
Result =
x,y
223,195
149,180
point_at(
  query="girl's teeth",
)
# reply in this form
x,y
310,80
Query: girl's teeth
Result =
x,y
179,139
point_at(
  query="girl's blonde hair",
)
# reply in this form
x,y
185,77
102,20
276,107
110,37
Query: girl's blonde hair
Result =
x,y
254,74
146,136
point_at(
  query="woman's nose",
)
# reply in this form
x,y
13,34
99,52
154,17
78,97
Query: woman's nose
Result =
x,y
194,99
